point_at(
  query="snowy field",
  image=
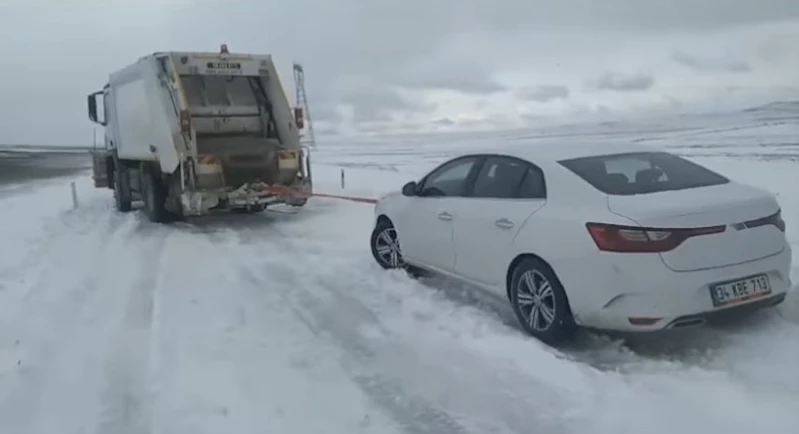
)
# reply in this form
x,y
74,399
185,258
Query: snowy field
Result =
x,y
281,323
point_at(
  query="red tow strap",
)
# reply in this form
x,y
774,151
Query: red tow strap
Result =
x,y
350,198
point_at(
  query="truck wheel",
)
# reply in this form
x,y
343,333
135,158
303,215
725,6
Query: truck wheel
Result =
x,y
154,197
122,195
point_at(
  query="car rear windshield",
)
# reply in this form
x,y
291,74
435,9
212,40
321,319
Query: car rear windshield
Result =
x,y
641,173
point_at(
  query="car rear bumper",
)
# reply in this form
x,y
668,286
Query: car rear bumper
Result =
x,y
643,299
732,312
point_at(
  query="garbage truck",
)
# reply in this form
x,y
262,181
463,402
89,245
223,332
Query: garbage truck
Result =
x,y
194,133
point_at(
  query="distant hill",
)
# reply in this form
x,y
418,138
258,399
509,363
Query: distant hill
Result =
x,y
48,149
776,107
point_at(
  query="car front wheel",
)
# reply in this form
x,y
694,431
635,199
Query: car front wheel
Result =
x,y
385,245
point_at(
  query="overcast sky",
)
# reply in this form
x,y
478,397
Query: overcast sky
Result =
x,y
376,64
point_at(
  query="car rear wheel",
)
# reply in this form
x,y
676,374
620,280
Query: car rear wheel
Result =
x,y
540,302
385,245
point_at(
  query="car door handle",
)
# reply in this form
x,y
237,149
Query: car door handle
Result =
x,y
444,216
503,223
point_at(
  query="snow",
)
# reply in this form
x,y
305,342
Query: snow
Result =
x,y
282,323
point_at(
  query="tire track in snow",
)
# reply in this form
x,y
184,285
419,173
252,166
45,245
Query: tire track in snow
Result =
x,y
53,225
125,399
377,365
54,310
412,413
66,223
232,356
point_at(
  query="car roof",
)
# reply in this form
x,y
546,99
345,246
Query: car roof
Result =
x,y
553,151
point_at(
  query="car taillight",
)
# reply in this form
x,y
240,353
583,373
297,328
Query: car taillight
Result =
x,y
777,221
632,239
774,219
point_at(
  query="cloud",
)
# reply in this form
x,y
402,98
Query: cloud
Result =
x,y
377,104
444,122
543,93
710,64
411,62
618,82
462,47
325,112
362,101
778,48
467,77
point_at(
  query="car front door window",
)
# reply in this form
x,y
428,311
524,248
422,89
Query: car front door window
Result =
x,y
449,180
508,178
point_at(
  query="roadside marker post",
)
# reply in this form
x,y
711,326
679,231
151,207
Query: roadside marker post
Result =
x,y
74,195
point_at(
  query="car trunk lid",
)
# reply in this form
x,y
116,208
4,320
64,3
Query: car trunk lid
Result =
x,y
743,211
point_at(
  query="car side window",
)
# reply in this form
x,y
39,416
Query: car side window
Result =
x,y
508,178
449,180
533,185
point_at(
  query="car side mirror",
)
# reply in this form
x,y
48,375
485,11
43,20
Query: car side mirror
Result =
x,y
409,189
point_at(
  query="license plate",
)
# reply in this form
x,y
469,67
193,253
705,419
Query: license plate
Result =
x,y
223,65
737,291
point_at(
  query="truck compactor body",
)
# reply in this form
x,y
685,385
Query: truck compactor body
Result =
x,y
191,133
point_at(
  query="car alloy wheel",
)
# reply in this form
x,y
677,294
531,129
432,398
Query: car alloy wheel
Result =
x,y
536,300
387,248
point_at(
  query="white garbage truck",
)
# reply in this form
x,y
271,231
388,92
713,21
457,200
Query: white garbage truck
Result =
x,y
192,133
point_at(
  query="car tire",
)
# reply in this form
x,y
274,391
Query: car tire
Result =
x,y
543,311
385,245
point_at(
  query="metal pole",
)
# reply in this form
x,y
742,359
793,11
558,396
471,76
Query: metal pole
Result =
x,y
74,195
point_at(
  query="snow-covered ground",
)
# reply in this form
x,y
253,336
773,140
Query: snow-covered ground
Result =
x,y
282,323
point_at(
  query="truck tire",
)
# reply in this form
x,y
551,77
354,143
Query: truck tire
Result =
x,y
121,187
154,192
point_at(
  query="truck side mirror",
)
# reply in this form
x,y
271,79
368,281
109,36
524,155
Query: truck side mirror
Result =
x,y
91,100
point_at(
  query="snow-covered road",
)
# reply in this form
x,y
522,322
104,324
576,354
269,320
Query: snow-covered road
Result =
x,y
280,323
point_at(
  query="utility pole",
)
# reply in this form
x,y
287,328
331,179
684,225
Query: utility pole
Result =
x,y
302,101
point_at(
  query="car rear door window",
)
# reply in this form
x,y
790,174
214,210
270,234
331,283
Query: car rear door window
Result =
x,y
533,186
508,178
451,179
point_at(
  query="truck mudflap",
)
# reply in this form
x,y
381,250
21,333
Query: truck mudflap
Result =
x,y
100,169
200,202
197,203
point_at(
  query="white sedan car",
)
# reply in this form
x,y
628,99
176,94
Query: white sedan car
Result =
x,y
617,237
